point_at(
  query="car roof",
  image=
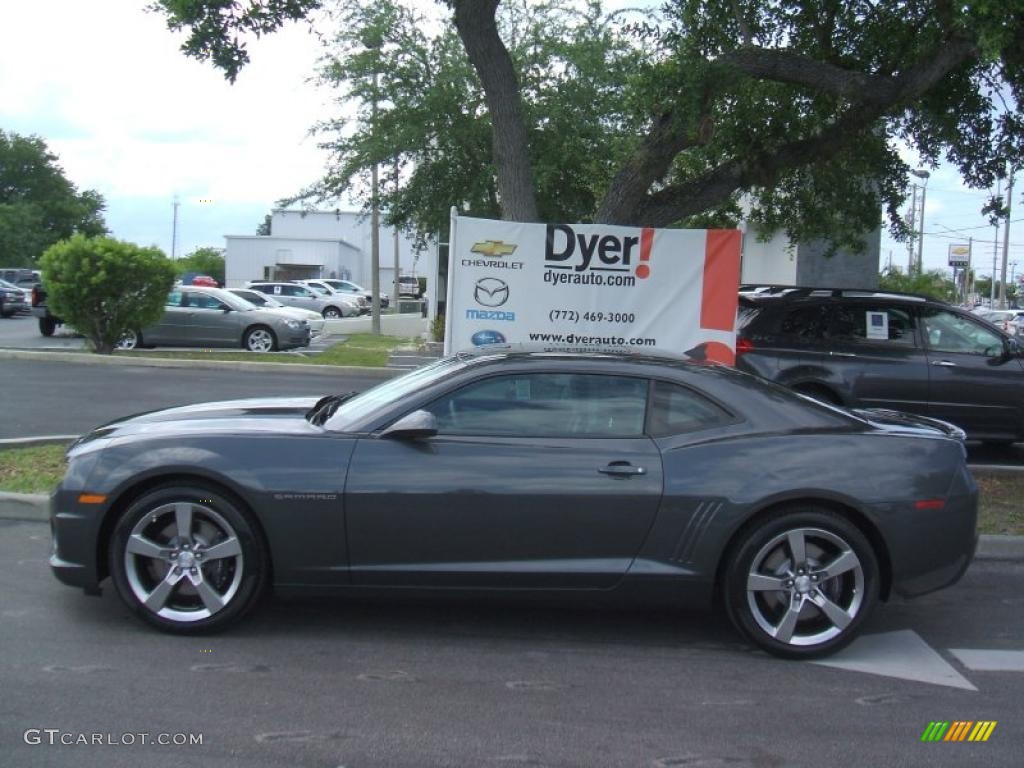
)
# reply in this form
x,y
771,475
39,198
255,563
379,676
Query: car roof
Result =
x,y
756,294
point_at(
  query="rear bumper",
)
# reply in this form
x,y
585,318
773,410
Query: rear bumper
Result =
x,y
931,549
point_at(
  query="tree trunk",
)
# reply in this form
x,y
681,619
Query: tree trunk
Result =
x,y
478,30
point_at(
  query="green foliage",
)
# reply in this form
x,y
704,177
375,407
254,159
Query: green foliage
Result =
x,y
432,124
935,284
437,328
203,261
105,287
38,205
795,107
264,227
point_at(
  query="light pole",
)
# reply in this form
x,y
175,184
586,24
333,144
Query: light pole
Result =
x,y
921,174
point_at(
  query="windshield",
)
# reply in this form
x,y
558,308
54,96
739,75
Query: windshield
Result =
x,y
5,284
233,301
359,407
257,298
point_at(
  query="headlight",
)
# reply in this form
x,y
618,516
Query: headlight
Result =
x,y
295,324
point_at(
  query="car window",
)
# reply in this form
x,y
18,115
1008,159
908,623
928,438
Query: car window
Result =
x,y
204,301
676,409
874,324
173,299
949,332
805,322
252,296
545,405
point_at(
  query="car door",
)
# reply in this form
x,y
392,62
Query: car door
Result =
x,y
210,324
539,480
972,383
876,357
172,328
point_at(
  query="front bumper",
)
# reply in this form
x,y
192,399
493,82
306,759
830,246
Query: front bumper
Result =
x,y
74,531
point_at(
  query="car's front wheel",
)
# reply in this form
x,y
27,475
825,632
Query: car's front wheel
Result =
x,y
332,313
187,559
130,340
260,339
800,583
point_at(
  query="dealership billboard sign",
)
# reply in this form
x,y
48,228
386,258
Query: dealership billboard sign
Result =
x,y
960,255
593,286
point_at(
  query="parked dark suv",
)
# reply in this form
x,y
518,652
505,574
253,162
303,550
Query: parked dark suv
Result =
x,y
870,349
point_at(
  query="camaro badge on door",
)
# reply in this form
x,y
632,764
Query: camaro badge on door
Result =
x,y
490,292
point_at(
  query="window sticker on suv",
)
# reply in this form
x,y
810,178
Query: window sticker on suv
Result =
x,y
878,325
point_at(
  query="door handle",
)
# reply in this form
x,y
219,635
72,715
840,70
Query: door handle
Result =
x,y
944,363
621,469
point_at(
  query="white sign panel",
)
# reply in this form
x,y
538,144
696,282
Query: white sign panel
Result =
x,y
959,255
877,324
593,286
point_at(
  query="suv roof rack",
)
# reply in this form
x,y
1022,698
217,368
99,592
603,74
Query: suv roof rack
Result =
x,y
751,291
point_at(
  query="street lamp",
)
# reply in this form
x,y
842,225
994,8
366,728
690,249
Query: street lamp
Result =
x,y
921,174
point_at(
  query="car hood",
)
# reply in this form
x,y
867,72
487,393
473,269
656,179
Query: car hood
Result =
x,y
277,415
903,423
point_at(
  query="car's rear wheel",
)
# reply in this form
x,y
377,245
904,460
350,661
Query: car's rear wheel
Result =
x,y
47,325
187,559
332,313
800,583
260,339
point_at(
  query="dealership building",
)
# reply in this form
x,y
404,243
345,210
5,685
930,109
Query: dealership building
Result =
x,y
334,244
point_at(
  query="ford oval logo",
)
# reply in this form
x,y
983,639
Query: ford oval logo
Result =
x,y
480,338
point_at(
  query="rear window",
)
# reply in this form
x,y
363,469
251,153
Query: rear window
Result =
x,y
676,410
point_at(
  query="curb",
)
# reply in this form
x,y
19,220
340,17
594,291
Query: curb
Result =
x,y
156,362
28,442
35,508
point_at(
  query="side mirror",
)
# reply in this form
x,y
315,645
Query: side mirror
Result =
x,y
225,310
412,426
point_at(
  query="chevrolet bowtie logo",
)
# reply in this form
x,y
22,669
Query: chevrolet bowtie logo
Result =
x,y
493,248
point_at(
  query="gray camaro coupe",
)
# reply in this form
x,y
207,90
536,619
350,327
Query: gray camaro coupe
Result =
x,y
514,470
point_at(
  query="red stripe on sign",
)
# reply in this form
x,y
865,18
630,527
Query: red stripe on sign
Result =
x,y
721,280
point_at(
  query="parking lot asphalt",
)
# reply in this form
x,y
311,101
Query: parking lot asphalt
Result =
x,y
472,683
59,398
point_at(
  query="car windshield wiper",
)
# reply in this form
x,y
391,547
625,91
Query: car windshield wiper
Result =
x,y
325,408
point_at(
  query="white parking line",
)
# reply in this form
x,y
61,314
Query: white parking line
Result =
x,y
983,660
902,655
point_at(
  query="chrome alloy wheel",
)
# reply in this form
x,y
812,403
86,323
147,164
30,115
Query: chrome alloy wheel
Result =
x,y
805,586
259,340
130,340
183,562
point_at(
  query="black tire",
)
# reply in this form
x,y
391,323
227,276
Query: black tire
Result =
x,y
47,325
216,519
763,550
259,331
332,313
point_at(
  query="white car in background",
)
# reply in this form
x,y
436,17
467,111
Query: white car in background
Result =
x,y
269,303
348,288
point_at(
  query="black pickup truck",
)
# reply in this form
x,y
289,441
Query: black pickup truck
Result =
x,y
47,322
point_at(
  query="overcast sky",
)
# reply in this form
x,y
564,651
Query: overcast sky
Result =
x,y
104,84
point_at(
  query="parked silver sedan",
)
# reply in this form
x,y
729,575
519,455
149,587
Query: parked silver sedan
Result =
x,y
295,295
213,317
270,304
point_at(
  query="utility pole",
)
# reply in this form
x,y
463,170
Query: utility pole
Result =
x,y
910,240
995,253
174,229
374,222
1006,240
395,286
921,174
970,270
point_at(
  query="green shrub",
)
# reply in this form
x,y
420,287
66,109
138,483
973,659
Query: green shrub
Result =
x,y
104,287
437,328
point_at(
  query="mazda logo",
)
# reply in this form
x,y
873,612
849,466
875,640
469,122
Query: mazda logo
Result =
x,y
490,292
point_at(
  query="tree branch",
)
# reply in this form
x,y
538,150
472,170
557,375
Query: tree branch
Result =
x,y
873,97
